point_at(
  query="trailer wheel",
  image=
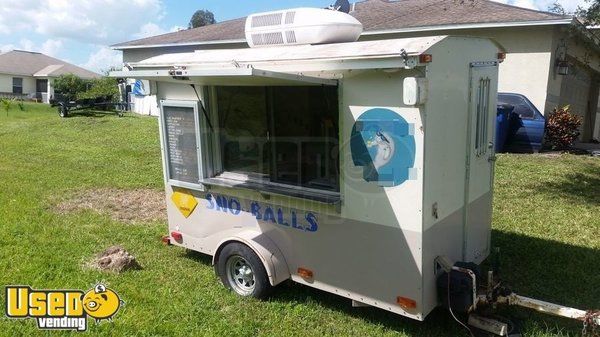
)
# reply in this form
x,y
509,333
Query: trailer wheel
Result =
x,y
62,110
241,270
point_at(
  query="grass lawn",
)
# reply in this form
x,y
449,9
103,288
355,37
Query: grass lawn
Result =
x,y
546,222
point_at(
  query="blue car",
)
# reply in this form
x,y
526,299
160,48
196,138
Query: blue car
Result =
x,y
526,124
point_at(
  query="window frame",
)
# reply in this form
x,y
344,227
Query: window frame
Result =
x,y
17,86
220,177
536,113
200,143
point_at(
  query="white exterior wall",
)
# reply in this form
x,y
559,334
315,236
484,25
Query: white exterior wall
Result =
x,y
528,62
29,85
446,129
6,83
384,223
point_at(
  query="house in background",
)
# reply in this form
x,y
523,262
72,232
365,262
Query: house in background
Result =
x,y
552,59
29,75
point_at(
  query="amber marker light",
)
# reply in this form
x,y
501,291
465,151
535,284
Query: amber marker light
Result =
x,y
406,303
305,273
425,58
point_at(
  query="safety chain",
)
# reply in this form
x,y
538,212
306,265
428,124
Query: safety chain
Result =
x,y
590,328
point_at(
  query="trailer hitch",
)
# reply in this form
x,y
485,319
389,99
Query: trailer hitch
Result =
x,y
501,295
495,293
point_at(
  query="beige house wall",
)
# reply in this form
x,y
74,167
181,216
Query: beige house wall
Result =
x,y
585,64
528,59
6,82
529,68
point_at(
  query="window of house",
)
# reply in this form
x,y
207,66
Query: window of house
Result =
x,y
17,85
279,135
483,110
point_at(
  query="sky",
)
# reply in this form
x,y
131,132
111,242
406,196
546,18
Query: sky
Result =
x,y
81,31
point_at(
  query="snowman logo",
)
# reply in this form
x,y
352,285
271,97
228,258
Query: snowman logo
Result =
x,y
383,143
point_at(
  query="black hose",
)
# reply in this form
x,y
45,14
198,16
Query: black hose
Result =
x,y
203,109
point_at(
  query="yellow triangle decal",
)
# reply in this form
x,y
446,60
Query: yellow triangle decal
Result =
x,y
185,202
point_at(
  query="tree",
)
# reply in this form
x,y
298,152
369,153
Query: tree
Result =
x,y
100,87
70,86
202,18
557,8
591,15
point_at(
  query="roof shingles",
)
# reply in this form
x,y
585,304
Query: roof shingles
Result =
x,y
24,63
376,15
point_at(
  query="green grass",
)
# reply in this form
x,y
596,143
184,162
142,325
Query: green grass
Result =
x,y
546,222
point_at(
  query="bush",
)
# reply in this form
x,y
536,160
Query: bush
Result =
x,y
73,87
69,86
6,103
100,87
562,128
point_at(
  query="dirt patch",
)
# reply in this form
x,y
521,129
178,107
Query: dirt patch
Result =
x,y
115,259
129,206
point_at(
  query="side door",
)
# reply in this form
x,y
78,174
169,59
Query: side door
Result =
x,y
480,161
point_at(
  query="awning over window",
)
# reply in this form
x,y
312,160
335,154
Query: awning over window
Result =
x,y
282,65
228,76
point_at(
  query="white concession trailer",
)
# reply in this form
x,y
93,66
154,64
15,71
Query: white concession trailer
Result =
x,y
364,169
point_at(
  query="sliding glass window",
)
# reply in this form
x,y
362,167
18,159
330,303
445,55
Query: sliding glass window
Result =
x,y
280,135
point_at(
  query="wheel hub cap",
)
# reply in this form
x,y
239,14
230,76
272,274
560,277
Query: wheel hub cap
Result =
x,y
240,275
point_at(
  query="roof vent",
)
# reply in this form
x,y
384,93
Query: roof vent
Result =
x,y
267,20
301,26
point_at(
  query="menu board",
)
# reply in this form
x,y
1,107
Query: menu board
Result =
x,y
182,145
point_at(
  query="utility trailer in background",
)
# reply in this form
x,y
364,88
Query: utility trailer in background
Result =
x,y
364,169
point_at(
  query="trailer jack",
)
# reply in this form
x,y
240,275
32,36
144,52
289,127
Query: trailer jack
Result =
x,y
495,294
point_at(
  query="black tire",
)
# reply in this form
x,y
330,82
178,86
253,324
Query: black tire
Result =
x,y
62,110
237,257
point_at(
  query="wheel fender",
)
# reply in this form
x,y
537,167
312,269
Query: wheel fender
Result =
x,y
268,252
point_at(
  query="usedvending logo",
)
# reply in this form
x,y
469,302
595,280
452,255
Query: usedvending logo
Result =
x,y
62,309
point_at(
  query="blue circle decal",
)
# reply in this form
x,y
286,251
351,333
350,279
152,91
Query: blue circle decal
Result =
x,y
383,143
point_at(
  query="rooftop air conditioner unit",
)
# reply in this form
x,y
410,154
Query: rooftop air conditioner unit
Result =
x,y
301,26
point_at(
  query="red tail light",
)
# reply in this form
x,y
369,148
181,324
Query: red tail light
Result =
x,y
177,236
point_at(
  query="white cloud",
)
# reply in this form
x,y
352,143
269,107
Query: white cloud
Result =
x,y
103,59
87,21
152,29
177,28
149,29
50,47
569,5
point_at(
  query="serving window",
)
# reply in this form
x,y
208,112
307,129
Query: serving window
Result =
x,y
279,136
